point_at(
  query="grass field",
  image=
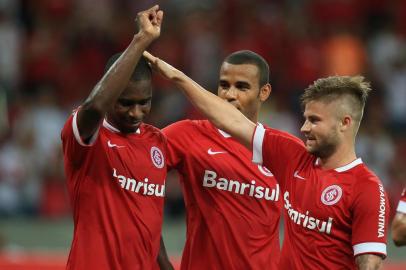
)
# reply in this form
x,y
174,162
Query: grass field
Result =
x,y
44,244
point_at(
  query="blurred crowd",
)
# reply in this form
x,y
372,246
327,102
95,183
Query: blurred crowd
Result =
x,y
52,52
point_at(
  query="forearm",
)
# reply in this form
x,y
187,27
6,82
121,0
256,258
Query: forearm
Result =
x,y
115,80
221,113
368,262
163,260
399,229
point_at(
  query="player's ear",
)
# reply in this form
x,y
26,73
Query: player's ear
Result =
x,y
346,122
264,92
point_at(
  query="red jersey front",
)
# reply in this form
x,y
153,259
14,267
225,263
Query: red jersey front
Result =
x,y
116,184
402,203
233,205
330,215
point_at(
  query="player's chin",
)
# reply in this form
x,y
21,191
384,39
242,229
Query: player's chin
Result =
x,y
132,126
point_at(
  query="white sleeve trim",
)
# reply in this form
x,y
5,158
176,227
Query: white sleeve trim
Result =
x,y
77,135
257,142
369,247
401,207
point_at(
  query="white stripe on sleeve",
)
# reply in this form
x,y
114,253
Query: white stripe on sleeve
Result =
x,y
370,247
77,135
257,144
401,207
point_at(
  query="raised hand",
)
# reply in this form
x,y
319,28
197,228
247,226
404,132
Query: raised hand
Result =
x,y
163,68
149,22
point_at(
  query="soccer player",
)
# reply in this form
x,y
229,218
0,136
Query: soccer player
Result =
x,y
399,222
115,164
233,206
335,208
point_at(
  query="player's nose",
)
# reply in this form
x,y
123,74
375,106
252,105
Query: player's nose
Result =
x,y
305,127
231,94
136,112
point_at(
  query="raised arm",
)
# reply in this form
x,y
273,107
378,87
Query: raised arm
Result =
x,y
109,88
219,112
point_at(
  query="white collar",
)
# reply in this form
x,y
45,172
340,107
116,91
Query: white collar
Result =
x,y
344,168
116,130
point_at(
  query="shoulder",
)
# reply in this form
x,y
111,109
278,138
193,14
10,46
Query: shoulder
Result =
x,y
152,132
284,134
183,126
364,176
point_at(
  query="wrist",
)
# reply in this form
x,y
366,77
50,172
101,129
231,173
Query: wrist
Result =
x,y
142,38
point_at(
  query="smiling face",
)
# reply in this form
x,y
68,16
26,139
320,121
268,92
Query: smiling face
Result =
x,y
132,106
322,128
239,85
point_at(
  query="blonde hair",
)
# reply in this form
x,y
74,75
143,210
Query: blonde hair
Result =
x,y
353,90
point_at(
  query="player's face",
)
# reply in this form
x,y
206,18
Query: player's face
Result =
x,y
321,128
132,106
239,85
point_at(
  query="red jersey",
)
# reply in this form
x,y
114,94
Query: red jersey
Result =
x,y
402,203
330,215
233,205
116,184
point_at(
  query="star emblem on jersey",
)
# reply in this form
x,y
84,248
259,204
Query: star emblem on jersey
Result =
x,y
265,171
211,152
157,157
111,145
331,195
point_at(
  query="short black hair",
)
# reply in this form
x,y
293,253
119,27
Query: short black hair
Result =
x,y
141,72
249,57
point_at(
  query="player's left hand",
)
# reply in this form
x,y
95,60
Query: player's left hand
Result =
x,y
163,68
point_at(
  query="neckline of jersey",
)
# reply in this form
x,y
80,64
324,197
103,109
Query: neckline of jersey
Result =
x,y
226,135
344,168
110,127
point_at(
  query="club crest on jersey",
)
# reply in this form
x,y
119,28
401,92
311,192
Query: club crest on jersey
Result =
x,y
157,157
331,195
265,171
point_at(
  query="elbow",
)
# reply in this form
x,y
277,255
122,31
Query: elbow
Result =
x,y
399,233
398,238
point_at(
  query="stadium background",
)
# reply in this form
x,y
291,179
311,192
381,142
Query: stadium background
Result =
x,y
52,52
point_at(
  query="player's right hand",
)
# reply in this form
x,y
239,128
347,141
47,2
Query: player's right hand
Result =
x,y
163,68
149,22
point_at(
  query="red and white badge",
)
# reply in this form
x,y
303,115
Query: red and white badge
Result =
x,y
331,195
157,157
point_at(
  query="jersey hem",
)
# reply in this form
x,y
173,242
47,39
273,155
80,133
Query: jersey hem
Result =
x,y
370,247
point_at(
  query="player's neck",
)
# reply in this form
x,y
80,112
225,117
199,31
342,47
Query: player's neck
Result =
x,y
344,154
253,118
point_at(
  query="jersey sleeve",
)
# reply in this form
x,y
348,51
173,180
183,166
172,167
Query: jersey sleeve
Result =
x,y
278,151
402,203
74,147
176,142
370,218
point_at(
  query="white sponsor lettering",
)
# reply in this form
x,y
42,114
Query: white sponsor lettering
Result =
x,y
382,209
305,220
210,180
141,187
